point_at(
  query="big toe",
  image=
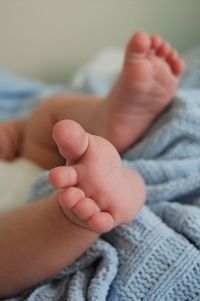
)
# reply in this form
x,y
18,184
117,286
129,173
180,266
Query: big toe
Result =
x,y
71,139
140,43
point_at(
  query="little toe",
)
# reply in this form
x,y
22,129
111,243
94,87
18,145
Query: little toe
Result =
x,y
63,176
70,197
178,67
175,62
86,208
71,139
139,44
101,222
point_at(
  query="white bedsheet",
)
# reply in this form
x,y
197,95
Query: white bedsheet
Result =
x,y
98,73
18,176
16,180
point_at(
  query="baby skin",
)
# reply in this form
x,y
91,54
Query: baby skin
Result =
x,y
99,193
95,192
145,87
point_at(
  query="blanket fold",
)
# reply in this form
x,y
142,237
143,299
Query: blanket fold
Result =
x,y
156,256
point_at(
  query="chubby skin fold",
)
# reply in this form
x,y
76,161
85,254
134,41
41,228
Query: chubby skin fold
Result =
x,y
95,192
98,191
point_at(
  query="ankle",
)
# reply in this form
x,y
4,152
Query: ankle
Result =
x,y
98,118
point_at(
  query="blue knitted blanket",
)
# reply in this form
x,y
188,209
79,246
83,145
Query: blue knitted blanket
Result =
x,y
156,257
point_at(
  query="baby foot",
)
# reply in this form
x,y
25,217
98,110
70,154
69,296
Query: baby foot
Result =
x,y
11,135
98,192
144,89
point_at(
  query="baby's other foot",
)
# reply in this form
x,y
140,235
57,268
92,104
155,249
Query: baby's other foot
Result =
x,y
145,87
97,191
11,136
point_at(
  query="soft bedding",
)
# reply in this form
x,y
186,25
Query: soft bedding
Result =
x,y
155,257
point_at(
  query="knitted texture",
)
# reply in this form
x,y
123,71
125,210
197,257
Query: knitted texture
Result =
x,y
155,257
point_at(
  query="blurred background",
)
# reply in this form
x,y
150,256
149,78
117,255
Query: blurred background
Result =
x,y
51,39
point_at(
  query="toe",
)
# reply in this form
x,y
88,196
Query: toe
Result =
x,y
164,50
156,42
175,62
178,67
70,197
63,176
101,222
71,139
86,208
140,43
